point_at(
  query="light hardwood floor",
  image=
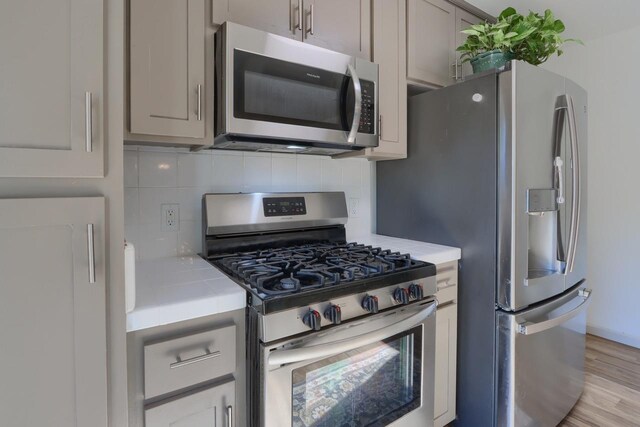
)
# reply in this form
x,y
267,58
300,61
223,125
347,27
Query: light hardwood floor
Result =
x,y
611,395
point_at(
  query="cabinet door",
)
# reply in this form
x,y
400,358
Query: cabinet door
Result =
x,y
444,409
211,407
340,25
167,69
389,52
431,41
52,315
52,58
463,21
282,17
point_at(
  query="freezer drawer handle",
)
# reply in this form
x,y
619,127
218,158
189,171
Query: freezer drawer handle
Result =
x,y
282,357
529,328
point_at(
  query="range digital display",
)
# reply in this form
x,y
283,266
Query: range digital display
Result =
x,y
284,206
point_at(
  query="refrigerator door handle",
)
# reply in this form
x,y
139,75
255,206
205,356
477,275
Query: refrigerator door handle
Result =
x,y
530,328
564,104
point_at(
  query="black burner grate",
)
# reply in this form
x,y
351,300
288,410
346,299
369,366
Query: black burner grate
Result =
x,y
297,269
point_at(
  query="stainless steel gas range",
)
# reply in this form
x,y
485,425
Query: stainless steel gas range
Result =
x,y
338,333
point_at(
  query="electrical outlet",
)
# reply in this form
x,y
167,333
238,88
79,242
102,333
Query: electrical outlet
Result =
x,y
170,214
354,207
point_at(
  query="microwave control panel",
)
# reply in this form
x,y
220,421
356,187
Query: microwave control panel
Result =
x,y
368,111
284,206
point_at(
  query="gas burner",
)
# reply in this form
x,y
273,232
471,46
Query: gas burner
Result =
x,y
296,269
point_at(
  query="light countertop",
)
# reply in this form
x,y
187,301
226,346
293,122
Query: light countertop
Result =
x,y
170,290
174,289
428,252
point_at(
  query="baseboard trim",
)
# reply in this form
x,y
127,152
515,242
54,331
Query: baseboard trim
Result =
x,y
614,336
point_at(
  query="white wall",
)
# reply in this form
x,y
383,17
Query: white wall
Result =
x,y
608,67
154,176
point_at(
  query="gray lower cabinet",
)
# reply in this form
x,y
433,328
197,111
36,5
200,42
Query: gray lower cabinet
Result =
x,y
52,312
190,373
167,68
52,92
211,407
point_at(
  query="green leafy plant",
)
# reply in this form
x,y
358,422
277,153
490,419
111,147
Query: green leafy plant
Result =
x,y
532,38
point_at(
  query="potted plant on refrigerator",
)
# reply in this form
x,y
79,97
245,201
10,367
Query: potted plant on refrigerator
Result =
x,y
532,38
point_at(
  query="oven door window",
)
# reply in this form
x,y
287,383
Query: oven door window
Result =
x,y
272,90
370,386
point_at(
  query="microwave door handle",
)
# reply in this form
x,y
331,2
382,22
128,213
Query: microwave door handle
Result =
x,y
530,328
357,109
283,357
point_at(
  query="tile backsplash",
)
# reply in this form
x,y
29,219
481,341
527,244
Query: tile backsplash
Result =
x,y
155,176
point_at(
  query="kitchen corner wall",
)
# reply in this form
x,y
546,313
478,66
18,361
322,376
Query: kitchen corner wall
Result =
x,y
156,176
606,68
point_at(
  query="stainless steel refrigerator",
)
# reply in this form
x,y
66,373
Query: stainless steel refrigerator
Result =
x,y
497,166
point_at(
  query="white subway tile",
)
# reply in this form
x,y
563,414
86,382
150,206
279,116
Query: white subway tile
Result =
x,y
190,200
150,201
227,170
351,171
130,168
190,238
157,169
154,243
257,171
284,174
331,174
131,206
195,170
309,172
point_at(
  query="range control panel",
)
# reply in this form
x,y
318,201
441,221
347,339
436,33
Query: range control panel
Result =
x,y
368,112
284,206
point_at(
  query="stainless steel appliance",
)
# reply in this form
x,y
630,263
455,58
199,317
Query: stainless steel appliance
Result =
x,y
278,94
338,333
499,163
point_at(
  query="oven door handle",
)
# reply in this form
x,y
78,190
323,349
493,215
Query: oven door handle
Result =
x,y
283,357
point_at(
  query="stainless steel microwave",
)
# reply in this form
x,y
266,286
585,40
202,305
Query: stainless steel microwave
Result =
x,y
283,95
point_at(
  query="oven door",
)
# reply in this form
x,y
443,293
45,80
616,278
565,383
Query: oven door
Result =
x,y
378,371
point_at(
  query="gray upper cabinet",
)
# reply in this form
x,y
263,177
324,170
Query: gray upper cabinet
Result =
x,y
212,407
463,21
51,89
433,34
431,41
282,17
167,68
52,312
340,25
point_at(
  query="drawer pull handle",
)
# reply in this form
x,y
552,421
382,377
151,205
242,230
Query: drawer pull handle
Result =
x,y
180,363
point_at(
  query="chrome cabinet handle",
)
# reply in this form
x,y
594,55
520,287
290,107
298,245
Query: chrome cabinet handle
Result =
x,y
529,328
88,121
300,15
91,252
455,76
310,29
199,101
229,416
357,109
180,363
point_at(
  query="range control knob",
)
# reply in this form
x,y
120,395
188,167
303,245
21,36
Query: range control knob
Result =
x,y
333,314
415,291
401,295
312,320
370,303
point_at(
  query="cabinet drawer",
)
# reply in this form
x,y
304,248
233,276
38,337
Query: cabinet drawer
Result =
x,y
178,363
447,281
214,406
